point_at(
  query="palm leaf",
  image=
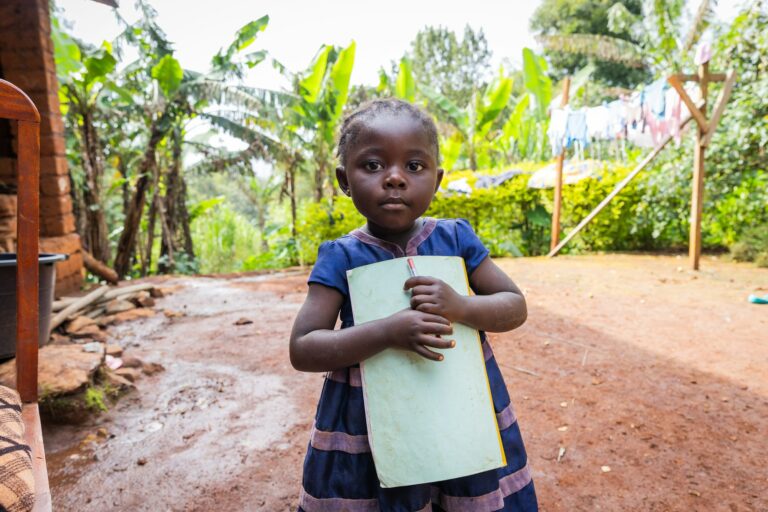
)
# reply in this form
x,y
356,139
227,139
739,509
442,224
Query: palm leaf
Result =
x,y
601,47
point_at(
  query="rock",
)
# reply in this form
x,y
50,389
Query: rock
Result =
x,y
141,461
143,300
132,362
125,316
62,369
152,368
172,314
118,306
114,350
243,321
157,293
118,381
130,374
94,347
78,323
113,363
91,332
59,339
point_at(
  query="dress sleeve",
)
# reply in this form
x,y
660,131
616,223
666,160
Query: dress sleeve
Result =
x,y
331,267
472,249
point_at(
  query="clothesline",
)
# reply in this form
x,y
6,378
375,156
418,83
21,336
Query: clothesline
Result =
x,y
644,118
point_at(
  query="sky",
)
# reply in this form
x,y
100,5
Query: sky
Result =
x,y
297,28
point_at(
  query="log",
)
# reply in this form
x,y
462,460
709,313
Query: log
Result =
x,y
79,304
116,292
98,268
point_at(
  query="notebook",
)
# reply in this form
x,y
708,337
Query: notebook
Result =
x,y
427,421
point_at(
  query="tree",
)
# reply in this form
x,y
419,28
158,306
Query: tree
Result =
x,y
88,93
656,39
570,17
452,67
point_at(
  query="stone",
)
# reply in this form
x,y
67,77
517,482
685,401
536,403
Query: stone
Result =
x,y
92,331
62,369
114,350
126,316
59,339
243,321
132,362
157,293
152,368
130,374
78,323
146,302
118,306
118,381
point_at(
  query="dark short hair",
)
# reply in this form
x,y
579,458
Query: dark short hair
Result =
x,y
350,127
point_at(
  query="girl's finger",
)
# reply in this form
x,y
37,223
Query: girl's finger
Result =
x,y
427,307
418,280
434,319
431,341
416,300
425,352
422,290
438,329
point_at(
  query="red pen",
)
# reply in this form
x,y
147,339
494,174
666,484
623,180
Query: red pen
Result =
x,y
412,268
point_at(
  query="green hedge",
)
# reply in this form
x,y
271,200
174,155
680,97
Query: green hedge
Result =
x,y
651,213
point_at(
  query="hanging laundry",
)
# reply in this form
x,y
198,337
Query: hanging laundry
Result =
x,y
556,130
576,128
599,122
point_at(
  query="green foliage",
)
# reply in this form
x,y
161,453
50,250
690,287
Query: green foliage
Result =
x,y
224,240
564,18
451,66
95,399
168,74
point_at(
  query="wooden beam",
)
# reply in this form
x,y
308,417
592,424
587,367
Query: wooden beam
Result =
x,y
695,112
555,235
722,100
618,188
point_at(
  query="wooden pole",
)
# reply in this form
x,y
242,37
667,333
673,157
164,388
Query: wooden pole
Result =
x,y
27,307
555,238
697,193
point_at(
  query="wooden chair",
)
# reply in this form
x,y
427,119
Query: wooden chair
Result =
x,y
16,106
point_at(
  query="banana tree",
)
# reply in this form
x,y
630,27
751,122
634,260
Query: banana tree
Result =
x,y
322,92
475,127
88,93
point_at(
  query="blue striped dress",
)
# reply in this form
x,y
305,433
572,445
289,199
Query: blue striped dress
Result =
x,y
339,473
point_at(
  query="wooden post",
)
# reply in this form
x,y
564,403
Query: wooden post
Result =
x,y
555,237
697,192
706,129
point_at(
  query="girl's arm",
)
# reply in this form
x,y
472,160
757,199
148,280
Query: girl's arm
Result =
x,y
316,347
498,306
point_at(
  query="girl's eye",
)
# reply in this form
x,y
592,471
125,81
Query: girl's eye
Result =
x,y
415,166
373,166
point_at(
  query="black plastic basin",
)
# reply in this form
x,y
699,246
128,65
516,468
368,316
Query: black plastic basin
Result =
x,y
8,299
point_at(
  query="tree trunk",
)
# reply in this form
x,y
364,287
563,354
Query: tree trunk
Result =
x,y
173,212
292,195
95,237
320,173
126,245
146,263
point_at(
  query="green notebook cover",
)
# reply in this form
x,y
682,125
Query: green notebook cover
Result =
x,y
427,421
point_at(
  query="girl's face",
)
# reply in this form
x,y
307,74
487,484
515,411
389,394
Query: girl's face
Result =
x,y
391,173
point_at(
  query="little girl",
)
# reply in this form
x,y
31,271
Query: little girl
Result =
x,y
389,156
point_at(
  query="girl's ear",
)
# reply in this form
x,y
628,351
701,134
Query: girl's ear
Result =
x,y
341,176
440,173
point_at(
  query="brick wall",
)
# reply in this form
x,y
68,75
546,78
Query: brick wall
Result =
x,y
26,60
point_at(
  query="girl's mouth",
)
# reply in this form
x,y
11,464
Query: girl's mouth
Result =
x,y
393,203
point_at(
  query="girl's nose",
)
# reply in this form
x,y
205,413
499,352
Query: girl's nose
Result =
x,y
395,178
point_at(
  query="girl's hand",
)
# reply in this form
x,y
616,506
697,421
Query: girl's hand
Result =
x,y
415,331
431,295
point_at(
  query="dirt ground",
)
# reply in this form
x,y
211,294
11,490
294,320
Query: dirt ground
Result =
x,y
653,380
